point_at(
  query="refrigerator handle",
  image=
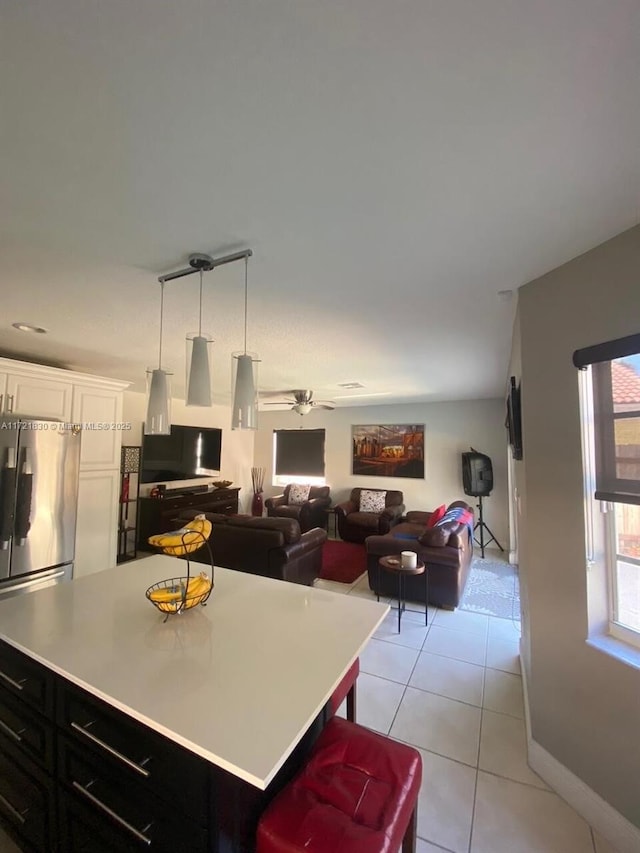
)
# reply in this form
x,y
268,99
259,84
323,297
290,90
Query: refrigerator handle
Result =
x,y
23,501
7,490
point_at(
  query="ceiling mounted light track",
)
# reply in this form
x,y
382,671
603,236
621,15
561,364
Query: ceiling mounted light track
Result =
x,y
198,385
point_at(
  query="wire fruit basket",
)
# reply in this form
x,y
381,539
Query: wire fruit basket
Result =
x,y
175,595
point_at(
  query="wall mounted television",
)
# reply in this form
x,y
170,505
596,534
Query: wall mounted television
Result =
x,y
513,422
187,453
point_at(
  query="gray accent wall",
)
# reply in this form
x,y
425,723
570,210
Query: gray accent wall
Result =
x,y
584,704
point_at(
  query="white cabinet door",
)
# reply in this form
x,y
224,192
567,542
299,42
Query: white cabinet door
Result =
x,y
97,525
100,413
39,397
3,392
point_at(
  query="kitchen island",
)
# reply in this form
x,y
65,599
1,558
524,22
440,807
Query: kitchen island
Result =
x,y
165,735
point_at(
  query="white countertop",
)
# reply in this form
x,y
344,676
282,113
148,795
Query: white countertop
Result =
x,y
237,682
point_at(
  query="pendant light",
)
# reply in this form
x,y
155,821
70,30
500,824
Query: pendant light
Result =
x,y
244,413
199,375
158,420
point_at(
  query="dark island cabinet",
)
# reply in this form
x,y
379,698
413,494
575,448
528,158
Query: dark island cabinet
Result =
x,y
158,515
78,775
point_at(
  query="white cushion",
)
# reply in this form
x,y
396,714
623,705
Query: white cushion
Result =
x,y
371,501
298,494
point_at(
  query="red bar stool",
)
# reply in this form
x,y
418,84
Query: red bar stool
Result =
x,y
357,793
346,690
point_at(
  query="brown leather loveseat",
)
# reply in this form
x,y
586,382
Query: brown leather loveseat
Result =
x,y
447,553
272,547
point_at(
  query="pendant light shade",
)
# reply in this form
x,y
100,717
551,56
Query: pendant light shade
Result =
x,y
244,413
158,420
245,394
199,375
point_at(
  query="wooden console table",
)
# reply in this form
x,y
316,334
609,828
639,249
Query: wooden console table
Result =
x,y
157,515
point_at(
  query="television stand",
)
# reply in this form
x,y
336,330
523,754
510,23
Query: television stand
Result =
x,y
187,490
157,515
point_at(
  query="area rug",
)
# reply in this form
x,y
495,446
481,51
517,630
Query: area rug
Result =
x,y
492,588
343,562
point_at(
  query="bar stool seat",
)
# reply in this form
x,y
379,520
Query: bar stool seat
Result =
x,y
357,793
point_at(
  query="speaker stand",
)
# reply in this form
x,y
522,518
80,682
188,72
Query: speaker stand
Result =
x,y
480,524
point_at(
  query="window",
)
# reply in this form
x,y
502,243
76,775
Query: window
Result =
x,y
298,456
610,401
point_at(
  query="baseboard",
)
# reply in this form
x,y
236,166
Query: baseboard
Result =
x,y
619,832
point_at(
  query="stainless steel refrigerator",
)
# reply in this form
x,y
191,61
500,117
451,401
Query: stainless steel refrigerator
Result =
x,y
40,462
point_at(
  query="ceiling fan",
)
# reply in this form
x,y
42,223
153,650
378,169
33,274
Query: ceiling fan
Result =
x,y
301,402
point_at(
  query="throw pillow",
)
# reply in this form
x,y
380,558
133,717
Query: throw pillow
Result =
x,y
298,494
371,501
436,515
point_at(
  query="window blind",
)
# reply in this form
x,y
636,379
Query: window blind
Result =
x,y
615,371
299,452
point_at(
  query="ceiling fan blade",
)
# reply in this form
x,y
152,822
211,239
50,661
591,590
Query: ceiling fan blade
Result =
x,y
279,403
322,406
303,396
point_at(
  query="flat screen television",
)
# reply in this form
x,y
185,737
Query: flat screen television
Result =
x,y
187,453
514,419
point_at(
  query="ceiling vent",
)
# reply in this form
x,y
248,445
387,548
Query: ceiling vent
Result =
x,y
350,385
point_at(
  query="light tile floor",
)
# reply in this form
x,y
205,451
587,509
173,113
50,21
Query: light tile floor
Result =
x,y
454,691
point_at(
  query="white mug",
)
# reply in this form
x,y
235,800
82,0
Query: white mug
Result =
x,y
408,559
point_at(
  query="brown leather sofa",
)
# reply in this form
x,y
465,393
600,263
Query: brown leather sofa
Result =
x,y
312,513
355,526
448,564
272,547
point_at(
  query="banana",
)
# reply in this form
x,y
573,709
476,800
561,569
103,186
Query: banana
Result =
x,y
166,594
186,539
198,589
200,583
168,607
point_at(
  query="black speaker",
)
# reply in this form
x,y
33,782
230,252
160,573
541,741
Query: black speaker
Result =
x,y
477,474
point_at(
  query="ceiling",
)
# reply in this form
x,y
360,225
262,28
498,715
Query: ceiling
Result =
x,y
393,166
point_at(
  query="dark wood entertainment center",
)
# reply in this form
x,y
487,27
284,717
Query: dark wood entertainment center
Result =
x,y
157,515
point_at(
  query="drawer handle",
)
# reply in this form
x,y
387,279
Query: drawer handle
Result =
x,y
17,685
119,820
19,816
132,764
9,731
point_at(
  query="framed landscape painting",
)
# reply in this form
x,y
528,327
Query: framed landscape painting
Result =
x,y
388,450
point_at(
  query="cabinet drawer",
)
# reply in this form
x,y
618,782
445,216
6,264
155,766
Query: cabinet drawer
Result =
x,y
32,734
97,805
25,678
26,798
135,753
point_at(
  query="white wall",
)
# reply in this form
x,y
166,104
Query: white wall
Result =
x,y
237,445
584,704
450,429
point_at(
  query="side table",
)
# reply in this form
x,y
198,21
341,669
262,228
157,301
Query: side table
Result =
x,y
392,565
331,513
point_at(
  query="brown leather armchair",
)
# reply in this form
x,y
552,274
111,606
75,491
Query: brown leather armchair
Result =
x,y
355,526
312,513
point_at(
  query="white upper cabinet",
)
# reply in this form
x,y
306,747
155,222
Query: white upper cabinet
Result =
x,y
38,396
3,392
99,412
